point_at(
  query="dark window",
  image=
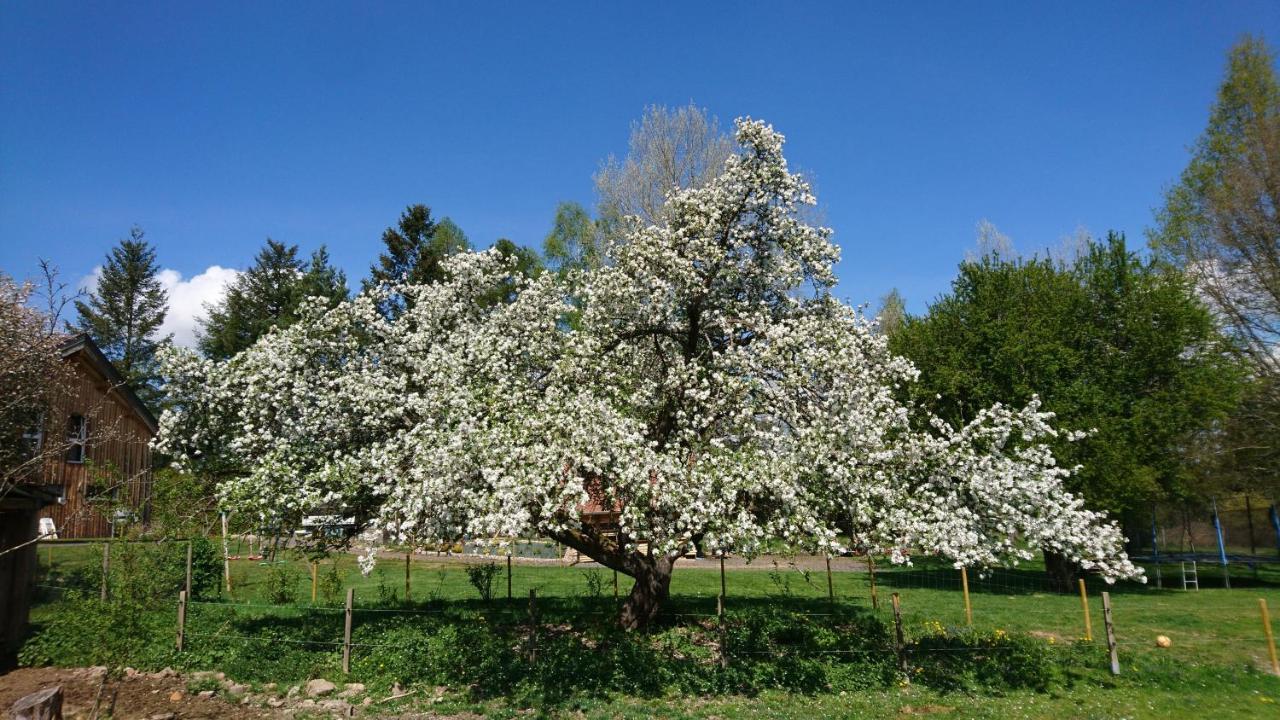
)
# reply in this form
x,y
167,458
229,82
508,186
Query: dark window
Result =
x,y
34,438
77,436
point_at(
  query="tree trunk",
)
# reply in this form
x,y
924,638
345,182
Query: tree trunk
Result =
x,y
1061,572
651,589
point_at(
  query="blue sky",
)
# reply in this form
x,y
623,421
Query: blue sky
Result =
x,y
214,126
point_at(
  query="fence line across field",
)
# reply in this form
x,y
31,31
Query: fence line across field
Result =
x,y
856,588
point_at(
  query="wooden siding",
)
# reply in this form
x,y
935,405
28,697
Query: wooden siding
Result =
x,y
117,456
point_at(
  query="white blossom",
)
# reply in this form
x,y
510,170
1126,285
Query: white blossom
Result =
x,y
704,382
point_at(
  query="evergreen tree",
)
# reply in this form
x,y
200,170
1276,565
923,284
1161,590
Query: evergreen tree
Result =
x,y
123,313
414,252
322,279
264,296
527,264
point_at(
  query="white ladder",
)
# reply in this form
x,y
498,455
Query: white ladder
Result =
x,y
1190,578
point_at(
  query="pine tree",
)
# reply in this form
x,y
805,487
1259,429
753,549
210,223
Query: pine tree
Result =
x,y
322,279
414,252
263,297
123,313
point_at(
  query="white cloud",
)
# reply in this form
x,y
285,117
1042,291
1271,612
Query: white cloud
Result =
x,y
188,298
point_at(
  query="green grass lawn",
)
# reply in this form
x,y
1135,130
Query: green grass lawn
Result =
x,y
1217,663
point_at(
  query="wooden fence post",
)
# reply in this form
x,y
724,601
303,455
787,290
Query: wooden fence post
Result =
x,y
899,640
182,617
964,585
408,559
226,554
1111,633
831,588
615,587
724,657
315,580
346,632
188,583
1084,605
1271,640
871,568
722,585
106,568
615,578
533,624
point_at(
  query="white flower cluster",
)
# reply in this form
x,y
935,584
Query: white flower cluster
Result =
x,y
703,382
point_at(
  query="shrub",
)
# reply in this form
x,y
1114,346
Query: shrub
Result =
x,y
481,576
330,585
968,660
281,584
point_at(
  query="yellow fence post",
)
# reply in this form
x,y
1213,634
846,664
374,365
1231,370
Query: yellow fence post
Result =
x,y
1271,639
1084,605
964,585
315,580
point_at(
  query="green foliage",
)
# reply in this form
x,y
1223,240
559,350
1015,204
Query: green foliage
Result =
x,y
1110,343
1250,91
574,242
124,311
330,585
967,660
595,583
481,577
415,251
268,295
182,505
281,584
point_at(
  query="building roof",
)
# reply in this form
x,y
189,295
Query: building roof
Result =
x,y
82,343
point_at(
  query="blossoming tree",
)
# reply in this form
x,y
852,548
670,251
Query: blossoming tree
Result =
x,y
703,383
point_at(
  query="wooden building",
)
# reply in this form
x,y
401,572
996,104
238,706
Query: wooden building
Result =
x,y
103,473
19,508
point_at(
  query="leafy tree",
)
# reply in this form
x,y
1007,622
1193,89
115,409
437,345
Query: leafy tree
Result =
x,y
669,150
268,295
1221,225
1111,345
574,242
713,392
893,312
415,251
124,312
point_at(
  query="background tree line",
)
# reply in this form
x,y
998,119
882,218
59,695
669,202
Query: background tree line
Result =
x,y
1170,356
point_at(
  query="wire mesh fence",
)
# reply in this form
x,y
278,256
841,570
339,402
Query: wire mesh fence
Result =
x,y
938,611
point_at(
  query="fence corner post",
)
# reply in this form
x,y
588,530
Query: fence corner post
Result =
x,y
346,632
182,618
1111,633
1084,605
